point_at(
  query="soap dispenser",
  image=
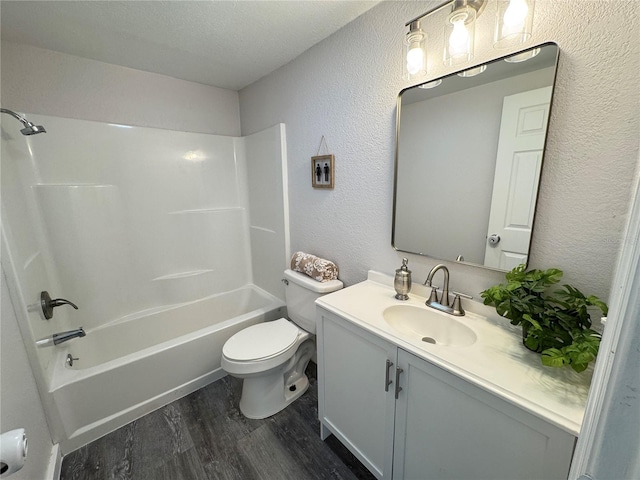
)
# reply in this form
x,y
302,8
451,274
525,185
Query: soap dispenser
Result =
x,y
402,282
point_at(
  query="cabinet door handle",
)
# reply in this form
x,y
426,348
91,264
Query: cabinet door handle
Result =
x,y
387,381
398,387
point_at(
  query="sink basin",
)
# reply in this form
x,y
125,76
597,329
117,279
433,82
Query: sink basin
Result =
x,y
428,326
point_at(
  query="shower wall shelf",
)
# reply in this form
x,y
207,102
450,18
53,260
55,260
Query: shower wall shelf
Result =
x,y
92,185
206,210
189,273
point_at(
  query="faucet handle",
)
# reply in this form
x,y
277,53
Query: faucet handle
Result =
x,y
47,304
463,295
433,297
457,304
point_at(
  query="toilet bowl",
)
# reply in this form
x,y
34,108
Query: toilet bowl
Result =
x,y
272,357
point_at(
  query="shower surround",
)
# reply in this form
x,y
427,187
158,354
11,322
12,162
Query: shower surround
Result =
x,y
168,241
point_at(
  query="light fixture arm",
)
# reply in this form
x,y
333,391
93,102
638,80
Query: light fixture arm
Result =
x,y
477,5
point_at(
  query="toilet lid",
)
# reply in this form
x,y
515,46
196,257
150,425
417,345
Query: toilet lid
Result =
x,y
260,341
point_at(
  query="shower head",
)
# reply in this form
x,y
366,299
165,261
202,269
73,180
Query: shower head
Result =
x,y
29,128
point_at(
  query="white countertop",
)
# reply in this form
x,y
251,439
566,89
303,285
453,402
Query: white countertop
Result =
x,y
497,362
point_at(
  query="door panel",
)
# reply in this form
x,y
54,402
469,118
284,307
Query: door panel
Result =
x,y
515,186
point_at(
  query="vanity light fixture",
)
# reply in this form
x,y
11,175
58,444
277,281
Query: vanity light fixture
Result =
x,y
415,54
514,22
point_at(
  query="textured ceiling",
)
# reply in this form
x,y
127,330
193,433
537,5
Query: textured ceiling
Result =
x,y
228,44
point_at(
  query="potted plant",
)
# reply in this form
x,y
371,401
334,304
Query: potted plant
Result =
x,y
557,324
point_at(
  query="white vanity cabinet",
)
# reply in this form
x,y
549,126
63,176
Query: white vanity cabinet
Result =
x,y
355,402
427,423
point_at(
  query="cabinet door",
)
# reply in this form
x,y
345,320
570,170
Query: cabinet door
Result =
x,y
353,402
447,428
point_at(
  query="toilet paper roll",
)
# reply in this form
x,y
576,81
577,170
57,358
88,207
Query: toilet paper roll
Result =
x,y
13,451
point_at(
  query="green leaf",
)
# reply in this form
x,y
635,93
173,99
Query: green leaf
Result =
x,y
532,343
596,302
579,367
552,357
534,324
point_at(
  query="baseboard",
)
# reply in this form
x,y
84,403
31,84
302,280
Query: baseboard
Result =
x,y
55,463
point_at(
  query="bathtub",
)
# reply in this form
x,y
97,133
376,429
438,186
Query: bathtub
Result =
x,y
134,365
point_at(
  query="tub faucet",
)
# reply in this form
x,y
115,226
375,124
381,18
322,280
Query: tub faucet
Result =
x,y
444,299
58,338
64,336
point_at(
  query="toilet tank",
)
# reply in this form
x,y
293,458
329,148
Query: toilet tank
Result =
x,y
301,293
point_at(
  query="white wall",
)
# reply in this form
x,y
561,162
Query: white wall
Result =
x,y
346,88
20,405
51,83
268,209
146,217
616,450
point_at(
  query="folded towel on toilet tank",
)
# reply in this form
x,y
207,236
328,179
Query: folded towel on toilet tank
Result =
x,y
317,268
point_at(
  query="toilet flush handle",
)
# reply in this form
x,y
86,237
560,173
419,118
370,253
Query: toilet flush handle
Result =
x,y
285,281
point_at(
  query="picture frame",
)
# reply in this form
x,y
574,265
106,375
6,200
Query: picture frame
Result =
x,y
322,171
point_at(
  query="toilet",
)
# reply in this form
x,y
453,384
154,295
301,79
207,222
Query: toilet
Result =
x,y
271,357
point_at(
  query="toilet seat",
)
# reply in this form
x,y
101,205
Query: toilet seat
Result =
x,y
278,341
262,341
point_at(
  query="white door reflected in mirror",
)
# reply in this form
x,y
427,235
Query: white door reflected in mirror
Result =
x,y
515,187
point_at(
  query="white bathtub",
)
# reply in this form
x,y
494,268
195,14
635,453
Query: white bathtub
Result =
x,y
134,365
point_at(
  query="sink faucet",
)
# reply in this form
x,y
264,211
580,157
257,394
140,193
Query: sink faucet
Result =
x,y
444,300
442,304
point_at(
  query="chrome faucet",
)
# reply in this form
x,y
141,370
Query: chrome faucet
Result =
x,y
64,336
444,299
442,304
58,338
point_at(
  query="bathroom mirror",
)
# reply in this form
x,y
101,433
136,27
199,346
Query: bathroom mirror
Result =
x,y
469,150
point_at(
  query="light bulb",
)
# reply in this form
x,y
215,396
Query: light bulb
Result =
x,y
515,15
415,60
459,39
415,52
514,22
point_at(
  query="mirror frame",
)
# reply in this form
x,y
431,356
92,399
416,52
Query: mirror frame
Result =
x,y
544,149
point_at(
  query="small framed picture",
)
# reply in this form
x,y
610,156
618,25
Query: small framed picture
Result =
x,y
322,171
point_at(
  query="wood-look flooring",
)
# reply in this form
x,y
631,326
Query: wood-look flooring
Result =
x,y
203,436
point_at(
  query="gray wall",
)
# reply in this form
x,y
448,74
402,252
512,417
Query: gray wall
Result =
x,y
346,88
51,83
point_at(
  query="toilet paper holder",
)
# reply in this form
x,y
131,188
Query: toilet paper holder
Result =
x,y
13,451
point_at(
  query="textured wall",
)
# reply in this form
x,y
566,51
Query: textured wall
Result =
x,y
51,83
346,87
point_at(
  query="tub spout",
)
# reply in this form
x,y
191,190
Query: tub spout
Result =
x,y
61,337
64,336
